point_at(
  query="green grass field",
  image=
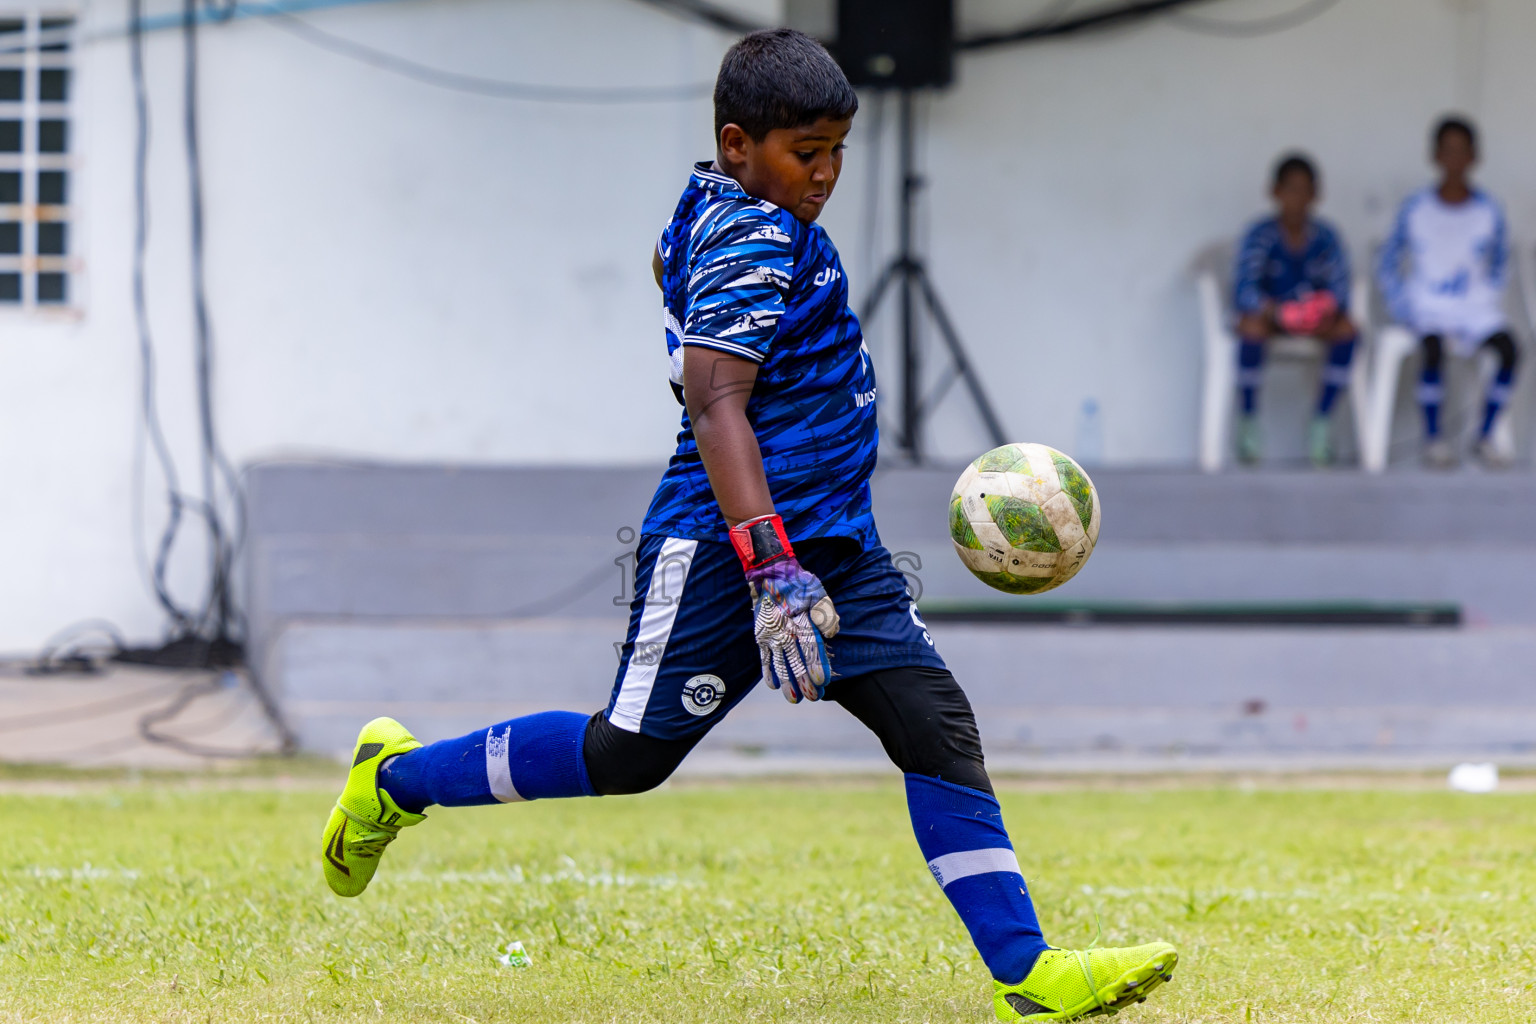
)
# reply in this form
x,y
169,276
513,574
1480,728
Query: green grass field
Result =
x,y
783,902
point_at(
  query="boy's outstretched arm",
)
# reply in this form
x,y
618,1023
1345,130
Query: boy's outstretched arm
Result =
x,y
792,613
716,387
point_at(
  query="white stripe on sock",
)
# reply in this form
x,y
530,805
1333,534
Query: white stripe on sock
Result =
x,y
498,770
954,866
668,577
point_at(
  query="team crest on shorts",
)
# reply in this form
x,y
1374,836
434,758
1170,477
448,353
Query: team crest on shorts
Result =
x,y
702,694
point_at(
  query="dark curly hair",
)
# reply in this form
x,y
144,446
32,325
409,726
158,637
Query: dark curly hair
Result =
x,y
780,78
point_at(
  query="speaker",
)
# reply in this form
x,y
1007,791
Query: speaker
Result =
x,y
902,44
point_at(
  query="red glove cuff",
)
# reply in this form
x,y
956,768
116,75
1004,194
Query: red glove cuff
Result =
x,y
761,541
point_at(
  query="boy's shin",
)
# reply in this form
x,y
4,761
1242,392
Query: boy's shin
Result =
x,y
530,758
961,833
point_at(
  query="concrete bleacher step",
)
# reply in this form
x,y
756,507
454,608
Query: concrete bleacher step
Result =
x,y
457,597
1039,692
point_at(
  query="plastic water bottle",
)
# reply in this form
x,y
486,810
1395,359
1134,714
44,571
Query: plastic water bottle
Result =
x,y
1090,434
515,956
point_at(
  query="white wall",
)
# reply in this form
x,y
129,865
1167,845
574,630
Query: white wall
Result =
x,y
395,271
1074,182
399,271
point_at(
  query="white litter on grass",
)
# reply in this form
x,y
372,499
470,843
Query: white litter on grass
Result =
x,y
568,874
515,955
1474,778
84,873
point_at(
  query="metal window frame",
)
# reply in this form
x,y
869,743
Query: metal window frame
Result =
x,y
31,111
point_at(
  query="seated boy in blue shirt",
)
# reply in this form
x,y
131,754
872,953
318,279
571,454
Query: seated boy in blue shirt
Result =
x,y
759,557
1292,277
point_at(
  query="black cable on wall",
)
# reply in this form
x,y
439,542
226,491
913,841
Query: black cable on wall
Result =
x,y
218,617
1137,10
181,619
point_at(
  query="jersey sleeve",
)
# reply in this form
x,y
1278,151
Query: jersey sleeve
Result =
x,y
1335,268
738,280
1498,249
1391,272
1248,273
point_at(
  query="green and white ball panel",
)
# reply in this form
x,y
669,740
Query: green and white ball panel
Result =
x,y
1024,518
999,460
1079,489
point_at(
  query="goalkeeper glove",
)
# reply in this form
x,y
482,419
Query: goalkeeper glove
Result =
x,y
791,610
1305,315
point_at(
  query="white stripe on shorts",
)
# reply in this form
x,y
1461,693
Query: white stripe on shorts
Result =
x,y
498,770
668,576
954,866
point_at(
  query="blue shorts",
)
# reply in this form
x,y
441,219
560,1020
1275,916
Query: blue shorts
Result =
x,y
690,655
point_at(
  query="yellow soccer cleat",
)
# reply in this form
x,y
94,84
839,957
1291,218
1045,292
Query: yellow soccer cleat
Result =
x,y
1067,984
365,819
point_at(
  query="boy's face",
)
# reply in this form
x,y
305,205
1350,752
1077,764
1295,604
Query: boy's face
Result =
x,y
793,168
1455,154
1295,193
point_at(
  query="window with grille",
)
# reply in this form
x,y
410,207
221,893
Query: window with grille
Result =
x,y
36,83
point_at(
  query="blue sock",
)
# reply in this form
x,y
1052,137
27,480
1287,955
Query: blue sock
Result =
x,y
1335,374
530,758
1498,394
960,831
1250,370
1431,391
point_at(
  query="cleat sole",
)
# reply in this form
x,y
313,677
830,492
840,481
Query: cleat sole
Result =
x,y
1136,985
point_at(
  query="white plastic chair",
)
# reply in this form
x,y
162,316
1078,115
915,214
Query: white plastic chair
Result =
x,y
1218,388
1394,345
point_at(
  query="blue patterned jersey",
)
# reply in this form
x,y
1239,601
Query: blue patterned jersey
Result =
x,y
1269,270
742,276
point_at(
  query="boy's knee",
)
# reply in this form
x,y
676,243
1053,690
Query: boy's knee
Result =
x,y
1253,327
621,763
1434,350
1503,346
923,720
1342,329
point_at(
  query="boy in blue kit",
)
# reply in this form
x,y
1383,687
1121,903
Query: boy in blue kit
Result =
x,y
1292,278
759,557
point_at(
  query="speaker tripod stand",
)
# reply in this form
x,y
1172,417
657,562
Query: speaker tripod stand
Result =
x,y
908,270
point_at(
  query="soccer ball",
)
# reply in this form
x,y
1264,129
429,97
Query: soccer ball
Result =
x,y
1024,518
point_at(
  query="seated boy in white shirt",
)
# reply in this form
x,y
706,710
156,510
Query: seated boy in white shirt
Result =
x,y
1443,273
